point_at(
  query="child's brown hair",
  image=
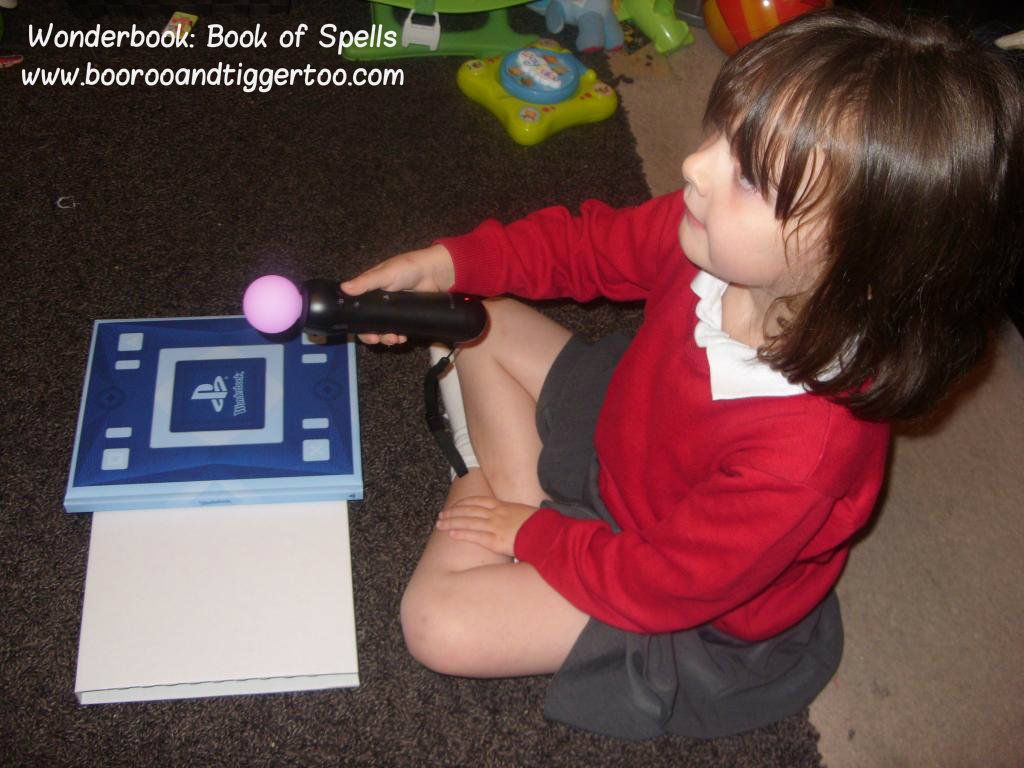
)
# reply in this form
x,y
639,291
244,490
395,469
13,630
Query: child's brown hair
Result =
x,y
907,143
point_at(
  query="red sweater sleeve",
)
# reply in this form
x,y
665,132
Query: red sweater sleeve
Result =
x,y
724,543
603,251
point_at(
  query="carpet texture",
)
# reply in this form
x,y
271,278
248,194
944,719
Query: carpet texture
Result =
x,y
162,202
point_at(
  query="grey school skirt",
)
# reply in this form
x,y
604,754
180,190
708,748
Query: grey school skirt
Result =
x,y
698,682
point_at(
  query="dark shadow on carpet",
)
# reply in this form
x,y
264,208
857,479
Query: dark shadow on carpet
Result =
x,y
165,202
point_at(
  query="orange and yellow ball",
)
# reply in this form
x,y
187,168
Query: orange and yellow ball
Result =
x,y
734,23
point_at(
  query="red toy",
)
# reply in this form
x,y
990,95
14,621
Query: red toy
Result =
x,y
734,23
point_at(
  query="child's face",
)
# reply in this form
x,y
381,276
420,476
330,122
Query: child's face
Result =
x,y
730,229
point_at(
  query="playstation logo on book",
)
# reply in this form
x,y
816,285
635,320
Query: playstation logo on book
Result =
x,y
215,393
218,394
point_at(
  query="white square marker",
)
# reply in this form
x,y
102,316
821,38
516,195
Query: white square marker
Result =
x,y
316,450
115,458
129,342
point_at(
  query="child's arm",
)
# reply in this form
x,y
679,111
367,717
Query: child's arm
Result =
x,y
617,253
713,551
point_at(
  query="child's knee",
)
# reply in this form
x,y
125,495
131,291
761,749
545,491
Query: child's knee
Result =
x,y
515,331
435,631
504,316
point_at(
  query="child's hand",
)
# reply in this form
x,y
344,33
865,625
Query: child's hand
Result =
x,y
428,269
486,521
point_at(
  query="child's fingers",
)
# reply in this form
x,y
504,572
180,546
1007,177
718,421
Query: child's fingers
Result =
x,y
461,525
376,277
399,273
461,512
385,275
387,339
465,524
485,540
477,531
471,506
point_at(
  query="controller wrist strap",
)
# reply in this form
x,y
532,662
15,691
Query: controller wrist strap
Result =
x,y
435,421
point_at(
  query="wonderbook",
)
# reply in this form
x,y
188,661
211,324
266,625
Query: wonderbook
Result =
x,y
208,411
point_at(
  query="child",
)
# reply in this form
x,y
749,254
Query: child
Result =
x,y
661,521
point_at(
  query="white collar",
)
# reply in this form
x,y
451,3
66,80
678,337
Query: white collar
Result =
x,y
735,370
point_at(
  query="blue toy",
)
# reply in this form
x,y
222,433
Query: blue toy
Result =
x,y
598,27
539,75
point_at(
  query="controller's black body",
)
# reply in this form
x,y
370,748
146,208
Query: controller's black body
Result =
x,y
447,317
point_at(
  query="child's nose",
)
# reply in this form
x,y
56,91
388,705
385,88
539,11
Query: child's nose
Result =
x,y
698,167
693,174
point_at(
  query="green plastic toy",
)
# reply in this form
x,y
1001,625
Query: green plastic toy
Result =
x,y
656,19
416,38
530,122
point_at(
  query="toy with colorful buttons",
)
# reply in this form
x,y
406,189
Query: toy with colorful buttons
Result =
x,y
537,91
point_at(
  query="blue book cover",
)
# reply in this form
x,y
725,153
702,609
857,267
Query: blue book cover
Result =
x,y
208,411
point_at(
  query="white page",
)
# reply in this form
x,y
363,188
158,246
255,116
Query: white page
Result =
x,y
217,600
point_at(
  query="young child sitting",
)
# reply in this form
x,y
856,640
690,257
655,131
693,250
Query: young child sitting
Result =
x,y
660,521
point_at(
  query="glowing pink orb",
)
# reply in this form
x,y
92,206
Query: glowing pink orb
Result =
x,y
272,304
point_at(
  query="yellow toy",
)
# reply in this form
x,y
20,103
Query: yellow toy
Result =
x,y
537,91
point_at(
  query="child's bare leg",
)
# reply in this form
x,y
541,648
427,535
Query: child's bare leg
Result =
x,y
501,381
470,612
467,610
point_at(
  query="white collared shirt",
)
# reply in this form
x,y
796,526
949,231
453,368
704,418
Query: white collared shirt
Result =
x,y
735,370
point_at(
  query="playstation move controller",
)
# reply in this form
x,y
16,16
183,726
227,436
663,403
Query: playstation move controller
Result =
x,y
274,305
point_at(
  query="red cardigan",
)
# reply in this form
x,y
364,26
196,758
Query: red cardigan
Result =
x,y
735,512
